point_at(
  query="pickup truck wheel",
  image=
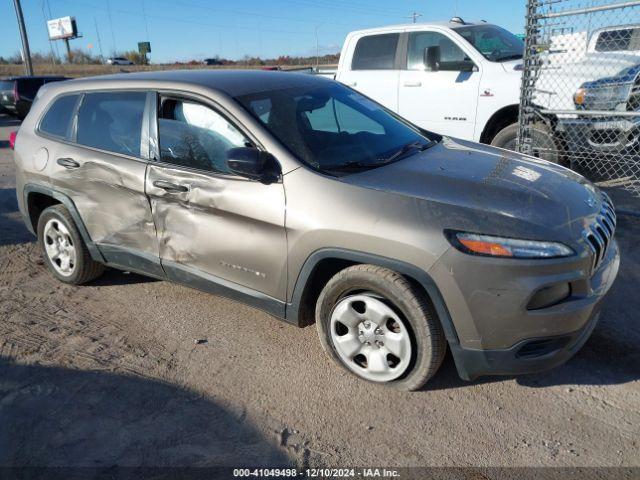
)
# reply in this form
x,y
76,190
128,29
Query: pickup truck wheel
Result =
x,y
543,143
65,253
376,324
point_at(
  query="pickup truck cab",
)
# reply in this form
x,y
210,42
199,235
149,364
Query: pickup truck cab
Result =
x,y
463,79
454,78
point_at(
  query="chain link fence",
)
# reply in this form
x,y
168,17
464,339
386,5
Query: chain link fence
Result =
x,y
580,102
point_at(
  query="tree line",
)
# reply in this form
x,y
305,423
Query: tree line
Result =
x,y
84,57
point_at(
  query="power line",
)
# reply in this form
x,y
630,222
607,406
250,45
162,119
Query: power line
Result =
x,y
95,22
249,13
44,17
113,36
55,44
364,10
146,24
190,22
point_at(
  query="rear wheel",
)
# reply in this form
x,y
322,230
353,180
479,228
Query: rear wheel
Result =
x,y
376,324
65,253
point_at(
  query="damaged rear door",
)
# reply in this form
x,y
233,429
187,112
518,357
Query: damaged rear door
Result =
x,y
101,165
217,231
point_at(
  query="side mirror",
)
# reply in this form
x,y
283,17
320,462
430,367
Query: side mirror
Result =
x,y
432,58
468,66
254,164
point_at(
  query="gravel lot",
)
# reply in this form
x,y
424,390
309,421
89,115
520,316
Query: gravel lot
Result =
x,y
109,374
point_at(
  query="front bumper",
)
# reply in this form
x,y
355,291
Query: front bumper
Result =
x,y
502,337
554,351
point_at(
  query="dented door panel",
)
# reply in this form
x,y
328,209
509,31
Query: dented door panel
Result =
x,y
109,193
222,226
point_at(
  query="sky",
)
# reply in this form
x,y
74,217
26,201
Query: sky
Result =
x,y
181,30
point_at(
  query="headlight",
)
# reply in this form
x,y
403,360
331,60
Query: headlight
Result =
x,y
603,97
490,246
580,96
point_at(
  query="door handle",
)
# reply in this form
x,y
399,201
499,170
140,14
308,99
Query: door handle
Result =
x,y
68,163
170,187
412,84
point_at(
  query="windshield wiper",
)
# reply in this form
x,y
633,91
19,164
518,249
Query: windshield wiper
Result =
x,y
359,164
404,150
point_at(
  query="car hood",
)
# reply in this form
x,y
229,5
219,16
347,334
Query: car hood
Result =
x,y
501,190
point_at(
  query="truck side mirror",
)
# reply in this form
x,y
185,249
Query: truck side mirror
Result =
x,y
432,58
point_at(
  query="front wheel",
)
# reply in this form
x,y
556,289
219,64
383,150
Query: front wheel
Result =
x,y
543,143
377,325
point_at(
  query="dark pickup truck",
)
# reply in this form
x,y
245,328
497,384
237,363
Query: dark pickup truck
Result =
x,y
17,93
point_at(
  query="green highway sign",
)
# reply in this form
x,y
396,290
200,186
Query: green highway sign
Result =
x,y
144,47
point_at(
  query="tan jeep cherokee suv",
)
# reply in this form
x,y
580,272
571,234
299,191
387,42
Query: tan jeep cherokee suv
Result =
x,y
303,198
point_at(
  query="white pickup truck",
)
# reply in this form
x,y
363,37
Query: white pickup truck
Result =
x,y
462,79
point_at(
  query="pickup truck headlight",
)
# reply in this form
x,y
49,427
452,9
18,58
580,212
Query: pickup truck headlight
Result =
x,y
491,246
605,97
580,96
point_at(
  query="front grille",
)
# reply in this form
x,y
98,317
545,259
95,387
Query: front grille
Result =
x,y
600,233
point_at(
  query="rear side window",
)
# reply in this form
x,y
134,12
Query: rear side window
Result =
x,y
376,52
112,121
57,120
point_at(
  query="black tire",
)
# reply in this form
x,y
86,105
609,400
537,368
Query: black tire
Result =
x,y
428,342
85,268
544,144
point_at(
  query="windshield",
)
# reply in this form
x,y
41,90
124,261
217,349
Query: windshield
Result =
x,y
334,129
494,43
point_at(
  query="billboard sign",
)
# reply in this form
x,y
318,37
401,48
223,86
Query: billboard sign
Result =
x,y
64,27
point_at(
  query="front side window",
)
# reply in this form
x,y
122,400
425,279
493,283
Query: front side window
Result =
x,y
112,121
494,43
450,53
57,121
334,129
375,52
195,136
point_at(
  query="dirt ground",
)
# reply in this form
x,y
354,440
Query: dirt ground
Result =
x,y
110,374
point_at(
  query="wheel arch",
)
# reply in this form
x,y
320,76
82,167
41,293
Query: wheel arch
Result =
x,y
38,197
324,263
499,120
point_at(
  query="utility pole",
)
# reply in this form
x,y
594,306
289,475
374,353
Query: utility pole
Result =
x,y
414,16
317,47
26,53
69,55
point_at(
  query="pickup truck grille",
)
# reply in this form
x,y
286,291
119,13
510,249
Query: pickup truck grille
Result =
x,y
600,233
